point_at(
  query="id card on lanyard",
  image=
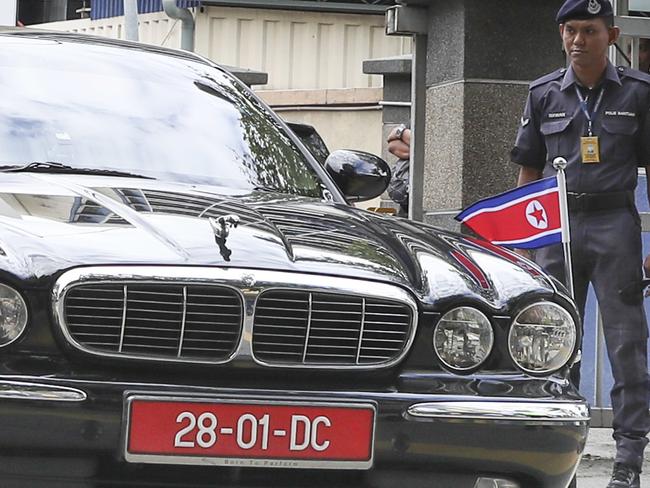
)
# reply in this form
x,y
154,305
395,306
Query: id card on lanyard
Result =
x,y
590,145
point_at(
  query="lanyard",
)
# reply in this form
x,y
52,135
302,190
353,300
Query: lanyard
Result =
x,y
585,109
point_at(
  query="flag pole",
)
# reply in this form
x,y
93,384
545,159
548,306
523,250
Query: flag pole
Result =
x,y
560,164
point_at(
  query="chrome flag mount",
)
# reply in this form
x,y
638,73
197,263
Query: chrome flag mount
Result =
x,y
560,165
526,217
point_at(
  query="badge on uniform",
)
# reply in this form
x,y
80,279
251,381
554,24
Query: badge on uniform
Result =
x,y
590,149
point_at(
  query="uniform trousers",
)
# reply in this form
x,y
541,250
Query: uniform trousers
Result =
x,y
606,251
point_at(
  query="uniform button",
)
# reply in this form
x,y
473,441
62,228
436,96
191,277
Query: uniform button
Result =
x,y
620,68
562,70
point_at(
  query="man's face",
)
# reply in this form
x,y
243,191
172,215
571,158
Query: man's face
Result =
x,y
586,41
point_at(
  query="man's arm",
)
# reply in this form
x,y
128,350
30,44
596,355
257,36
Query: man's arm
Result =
x,y
528,175
529,152
400,146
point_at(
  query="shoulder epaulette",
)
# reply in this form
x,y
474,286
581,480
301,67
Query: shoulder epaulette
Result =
x,y
549,77
633,73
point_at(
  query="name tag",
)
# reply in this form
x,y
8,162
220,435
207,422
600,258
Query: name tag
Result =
x,y
619,113
557,115
590,150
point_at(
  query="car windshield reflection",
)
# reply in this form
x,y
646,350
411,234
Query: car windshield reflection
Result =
x,y
142,115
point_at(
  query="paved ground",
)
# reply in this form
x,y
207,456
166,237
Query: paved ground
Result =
x,y
596,466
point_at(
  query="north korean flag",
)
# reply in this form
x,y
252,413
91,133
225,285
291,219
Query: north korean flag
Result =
x,y
526,217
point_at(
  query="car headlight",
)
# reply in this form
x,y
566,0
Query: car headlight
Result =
x,y
463,338
542,338
13,315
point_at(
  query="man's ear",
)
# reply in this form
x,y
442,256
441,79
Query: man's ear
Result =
x,y
614,34
562,30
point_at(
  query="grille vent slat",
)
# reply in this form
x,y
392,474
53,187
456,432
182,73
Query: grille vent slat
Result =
x,y
160,321
186,321
329,329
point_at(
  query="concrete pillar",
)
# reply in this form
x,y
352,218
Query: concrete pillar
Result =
x,y
481,56
396,104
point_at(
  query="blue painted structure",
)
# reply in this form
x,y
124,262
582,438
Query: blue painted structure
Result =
x,y
102,9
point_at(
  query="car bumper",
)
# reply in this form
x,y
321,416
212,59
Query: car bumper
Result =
x,y
76,429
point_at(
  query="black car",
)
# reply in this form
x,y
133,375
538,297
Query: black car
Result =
x,y
188,299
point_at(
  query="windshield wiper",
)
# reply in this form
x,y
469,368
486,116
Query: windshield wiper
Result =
x,y
35,166
54,167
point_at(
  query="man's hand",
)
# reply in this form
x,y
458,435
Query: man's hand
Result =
x,y
400,149
528,175
399,145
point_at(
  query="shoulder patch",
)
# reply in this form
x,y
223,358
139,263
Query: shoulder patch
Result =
x,y
555,75
633,73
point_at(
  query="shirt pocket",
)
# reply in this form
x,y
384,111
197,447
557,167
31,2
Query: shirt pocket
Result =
x,y
617,139
556,138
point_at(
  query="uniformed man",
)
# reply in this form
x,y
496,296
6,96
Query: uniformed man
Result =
x,y
399,144
597,117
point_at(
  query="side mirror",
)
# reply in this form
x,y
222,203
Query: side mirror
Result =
x,y
360,175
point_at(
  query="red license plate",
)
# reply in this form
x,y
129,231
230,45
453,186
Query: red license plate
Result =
x,y
249,433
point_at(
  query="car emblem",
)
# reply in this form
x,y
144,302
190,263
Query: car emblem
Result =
x,y
221,226
248,280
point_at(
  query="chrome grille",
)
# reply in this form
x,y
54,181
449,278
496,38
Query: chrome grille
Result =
x,y
165,321
312,328
215,315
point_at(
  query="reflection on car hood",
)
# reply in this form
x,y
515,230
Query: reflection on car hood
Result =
x,y
55,222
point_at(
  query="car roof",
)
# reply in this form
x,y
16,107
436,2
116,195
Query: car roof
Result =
x,y
61,36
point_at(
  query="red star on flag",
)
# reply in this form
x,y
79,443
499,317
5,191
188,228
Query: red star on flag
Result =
x,y
538,215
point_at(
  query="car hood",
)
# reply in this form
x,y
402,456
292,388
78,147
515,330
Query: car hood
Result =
x,y
52,223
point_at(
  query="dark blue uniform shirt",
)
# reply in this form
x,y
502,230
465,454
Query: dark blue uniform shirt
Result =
x,y
553,123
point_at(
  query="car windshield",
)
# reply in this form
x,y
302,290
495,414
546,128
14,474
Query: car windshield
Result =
x,y
98,106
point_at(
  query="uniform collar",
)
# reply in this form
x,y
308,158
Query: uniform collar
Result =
x,y
610,75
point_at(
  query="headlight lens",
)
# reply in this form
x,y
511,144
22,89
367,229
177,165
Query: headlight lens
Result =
x,y
542,338
13,315
463,338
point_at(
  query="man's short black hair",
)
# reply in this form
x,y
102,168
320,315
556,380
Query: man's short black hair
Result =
x,y
609,20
